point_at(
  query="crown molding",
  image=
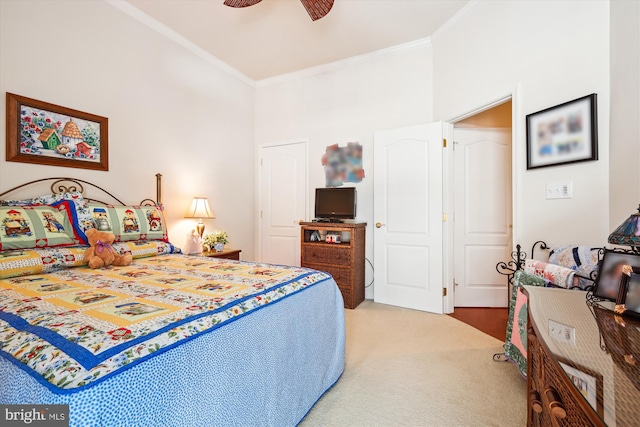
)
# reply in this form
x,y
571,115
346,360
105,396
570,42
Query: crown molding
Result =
x,y
449,22
172,35
332,66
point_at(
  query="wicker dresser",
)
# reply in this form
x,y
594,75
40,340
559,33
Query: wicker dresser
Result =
x,y
583,362
344,260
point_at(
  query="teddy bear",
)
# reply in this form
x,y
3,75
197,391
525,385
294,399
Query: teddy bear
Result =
x,y
100,253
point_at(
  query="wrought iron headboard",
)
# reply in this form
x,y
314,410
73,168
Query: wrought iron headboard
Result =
x,y
65,184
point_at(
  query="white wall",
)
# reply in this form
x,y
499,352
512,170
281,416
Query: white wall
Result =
x,y
624,182
169,110
551,52
347,101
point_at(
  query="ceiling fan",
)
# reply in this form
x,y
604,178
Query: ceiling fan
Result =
x,y
316,8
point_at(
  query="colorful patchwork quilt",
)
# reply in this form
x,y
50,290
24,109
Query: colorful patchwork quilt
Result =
x,y
73,328
515,344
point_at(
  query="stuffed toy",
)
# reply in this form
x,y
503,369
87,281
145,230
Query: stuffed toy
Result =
x,y
100,253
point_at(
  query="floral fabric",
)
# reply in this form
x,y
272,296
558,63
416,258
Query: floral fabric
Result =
x,y
73,328
515,346
47,199
36,261
556,275
581,259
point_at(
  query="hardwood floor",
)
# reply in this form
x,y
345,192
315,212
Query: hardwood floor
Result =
x,y
491,321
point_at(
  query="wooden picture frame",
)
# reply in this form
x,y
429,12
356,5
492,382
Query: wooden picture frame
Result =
x,y
42,133
628,302
589,383
564,134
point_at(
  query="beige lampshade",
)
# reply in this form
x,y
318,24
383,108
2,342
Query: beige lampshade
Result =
x,y
199,209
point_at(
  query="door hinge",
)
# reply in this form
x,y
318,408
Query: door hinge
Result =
x,y
444,143
260,214
444,292
261,162
454,145
444,217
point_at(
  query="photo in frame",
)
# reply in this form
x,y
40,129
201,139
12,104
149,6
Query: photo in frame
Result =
x,y
47,134
589,383
566,133
607,284
628,302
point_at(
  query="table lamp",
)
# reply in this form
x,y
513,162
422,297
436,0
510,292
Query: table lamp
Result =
x,y
628,234
200,209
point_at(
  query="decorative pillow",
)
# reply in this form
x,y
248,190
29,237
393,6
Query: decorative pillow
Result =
x,y
129,222
26,227
82,214
515,345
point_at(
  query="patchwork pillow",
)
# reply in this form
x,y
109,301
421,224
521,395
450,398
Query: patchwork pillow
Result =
x,y
82,214
26,227
129,222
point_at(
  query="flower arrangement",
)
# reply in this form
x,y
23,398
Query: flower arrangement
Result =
x,y
215,240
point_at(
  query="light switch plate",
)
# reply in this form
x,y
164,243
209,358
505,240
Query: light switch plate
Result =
x,y
562,333
561,190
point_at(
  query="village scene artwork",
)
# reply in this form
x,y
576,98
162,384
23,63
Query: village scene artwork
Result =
x,y
45,133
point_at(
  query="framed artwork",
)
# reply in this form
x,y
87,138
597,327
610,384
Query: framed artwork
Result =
x,y
566,133
607,284
48,134
588,382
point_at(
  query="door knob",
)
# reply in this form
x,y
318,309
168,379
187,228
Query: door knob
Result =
x,y
379,224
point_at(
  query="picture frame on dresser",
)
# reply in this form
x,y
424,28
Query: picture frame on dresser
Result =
x,y
628,302
588,382
607,283
42,133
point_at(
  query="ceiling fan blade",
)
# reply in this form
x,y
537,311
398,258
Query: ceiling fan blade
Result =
x,y
241,3
316,8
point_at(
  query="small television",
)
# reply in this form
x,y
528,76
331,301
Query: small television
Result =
x,y
335,204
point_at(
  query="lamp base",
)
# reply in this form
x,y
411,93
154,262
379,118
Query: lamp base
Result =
x,y
200,228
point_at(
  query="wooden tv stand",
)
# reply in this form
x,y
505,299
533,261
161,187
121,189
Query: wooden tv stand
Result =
x,y
344,260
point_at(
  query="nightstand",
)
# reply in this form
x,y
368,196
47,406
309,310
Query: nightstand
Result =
x,y
226,254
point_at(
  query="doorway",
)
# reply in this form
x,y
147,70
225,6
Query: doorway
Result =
x,y
282,190
482,203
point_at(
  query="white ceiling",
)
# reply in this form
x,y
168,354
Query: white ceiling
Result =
x,y
277,36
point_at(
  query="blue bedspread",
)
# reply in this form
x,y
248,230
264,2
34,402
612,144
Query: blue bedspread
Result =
x,y
267,368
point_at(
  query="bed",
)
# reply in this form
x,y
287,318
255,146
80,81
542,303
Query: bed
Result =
x,y
171,339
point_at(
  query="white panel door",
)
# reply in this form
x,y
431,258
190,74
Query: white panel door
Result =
x,y
282,202
482,215
408,217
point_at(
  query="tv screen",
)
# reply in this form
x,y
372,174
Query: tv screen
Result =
x,y
336,203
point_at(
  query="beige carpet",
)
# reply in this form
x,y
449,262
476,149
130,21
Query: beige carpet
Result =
x,y
409,368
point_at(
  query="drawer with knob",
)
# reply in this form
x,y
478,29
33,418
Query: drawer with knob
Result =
x,y
326,254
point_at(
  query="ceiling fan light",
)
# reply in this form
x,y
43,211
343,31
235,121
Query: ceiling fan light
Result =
x,y
241,3
317,8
